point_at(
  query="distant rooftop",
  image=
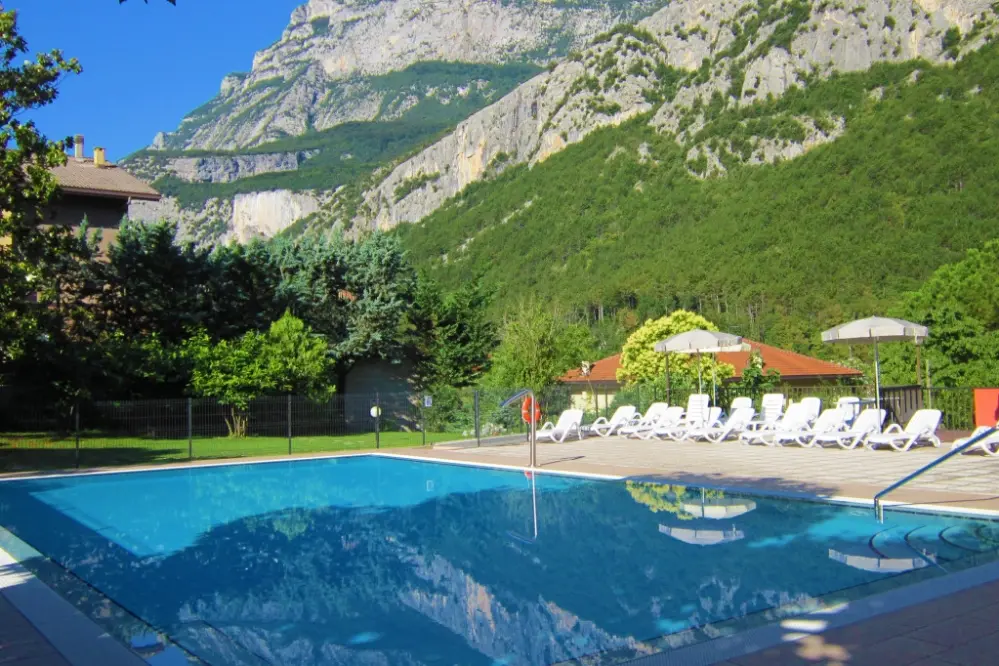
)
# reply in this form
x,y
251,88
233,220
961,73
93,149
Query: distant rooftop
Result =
x,y
80,175
791,365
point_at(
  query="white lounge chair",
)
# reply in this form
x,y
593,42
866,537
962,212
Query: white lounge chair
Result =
x,y
570,421
831,420
734,425
621,417
670,418
922,427
647,421
741,402
695,416
850,404
867,423
712,418
813,407
988,445
771,409
794,420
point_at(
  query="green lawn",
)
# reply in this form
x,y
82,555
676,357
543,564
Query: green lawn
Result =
x,y
26,451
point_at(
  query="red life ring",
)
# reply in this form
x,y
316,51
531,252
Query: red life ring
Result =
x,y
525,410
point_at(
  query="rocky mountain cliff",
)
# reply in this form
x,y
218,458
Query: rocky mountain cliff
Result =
x,y
349,87
339,131
682,67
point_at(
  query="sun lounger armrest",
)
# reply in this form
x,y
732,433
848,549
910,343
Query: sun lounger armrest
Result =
x,y
893,428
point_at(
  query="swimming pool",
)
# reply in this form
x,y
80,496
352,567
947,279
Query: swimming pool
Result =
x,y
380,560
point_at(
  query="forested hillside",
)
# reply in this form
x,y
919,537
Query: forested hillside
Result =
x,y
625,219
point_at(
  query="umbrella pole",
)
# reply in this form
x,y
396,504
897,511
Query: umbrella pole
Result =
x,y
877,375
700,388
714,382
669,392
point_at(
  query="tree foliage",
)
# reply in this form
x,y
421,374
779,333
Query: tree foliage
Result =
x,y
289,358
538,346
640,363
30,254
959,304
453,338
772,252
755,381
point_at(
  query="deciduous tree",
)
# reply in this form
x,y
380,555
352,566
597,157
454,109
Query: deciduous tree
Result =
x,y
641,363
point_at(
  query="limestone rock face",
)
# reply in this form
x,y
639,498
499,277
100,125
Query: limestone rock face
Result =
x,y
242,218
215,168
266,213
675,63
331,62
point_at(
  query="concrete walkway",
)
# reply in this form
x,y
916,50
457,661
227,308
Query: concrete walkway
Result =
x,y
967,481
20,642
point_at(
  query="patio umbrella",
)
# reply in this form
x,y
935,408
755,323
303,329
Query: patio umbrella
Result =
x,y
699,341
697,537
871,562
875,330
719,509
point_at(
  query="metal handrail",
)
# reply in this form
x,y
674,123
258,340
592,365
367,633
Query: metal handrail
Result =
x,y
879,511
533,422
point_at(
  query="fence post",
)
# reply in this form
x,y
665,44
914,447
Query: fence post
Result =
x,y
378,421
76,430
190,431
423,420
477,431
289,424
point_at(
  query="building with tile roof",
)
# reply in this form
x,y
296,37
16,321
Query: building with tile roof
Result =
x,y
95,189
795,370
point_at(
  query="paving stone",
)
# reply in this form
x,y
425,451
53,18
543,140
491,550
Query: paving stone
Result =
x,y
956,631
895,651
983,651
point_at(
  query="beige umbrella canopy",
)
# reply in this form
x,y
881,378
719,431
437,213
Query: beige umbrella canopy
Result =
x,y
697,537
719,508
699,341
873,330
870,562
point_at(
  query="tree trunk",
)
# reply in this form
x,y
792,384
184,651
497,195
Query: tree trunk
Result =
x,y
236,422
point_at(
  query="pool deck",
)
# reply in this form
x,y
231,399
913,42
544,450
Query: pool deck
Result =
x,y
958,629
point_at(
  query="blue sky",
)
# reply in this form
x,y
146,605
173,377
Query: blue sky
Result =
x,y
144,65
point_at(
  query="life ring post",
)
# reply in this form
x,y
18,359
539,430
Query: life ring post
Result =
x,y
530,412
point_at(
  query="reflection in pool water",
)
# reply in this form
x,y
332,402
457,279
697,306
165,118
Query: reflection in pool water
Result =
x,y
372,560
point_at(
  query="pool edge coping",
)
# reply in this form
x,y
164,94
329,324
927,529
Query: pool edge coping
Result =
x,y
76,637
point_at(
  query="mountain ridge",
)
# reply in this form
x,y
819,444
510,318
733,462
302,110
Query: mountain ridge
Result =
x,y
686,62
400,68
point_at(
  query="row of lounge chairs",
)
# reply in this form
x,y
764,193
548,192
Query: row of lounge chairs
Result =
x,y
802,423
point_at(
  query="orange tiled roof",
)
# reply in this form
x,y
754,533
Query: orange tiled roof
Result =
x,y
791,365
604,370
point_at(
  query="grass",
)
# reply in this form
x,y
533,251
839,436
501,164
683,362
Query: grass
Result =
x,y
31,451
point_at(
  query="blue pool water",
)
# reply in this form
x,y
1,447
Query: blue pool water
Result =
x,y
373,560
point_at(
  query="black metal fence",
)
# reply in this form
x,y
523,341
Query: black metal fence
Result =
x,y
39,435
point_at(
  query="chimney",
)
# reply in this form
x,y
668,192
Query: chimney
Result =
x,y
99,160
78,146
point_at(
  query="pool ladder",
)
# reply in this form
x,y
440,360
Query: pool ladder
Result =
x,y
879,509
